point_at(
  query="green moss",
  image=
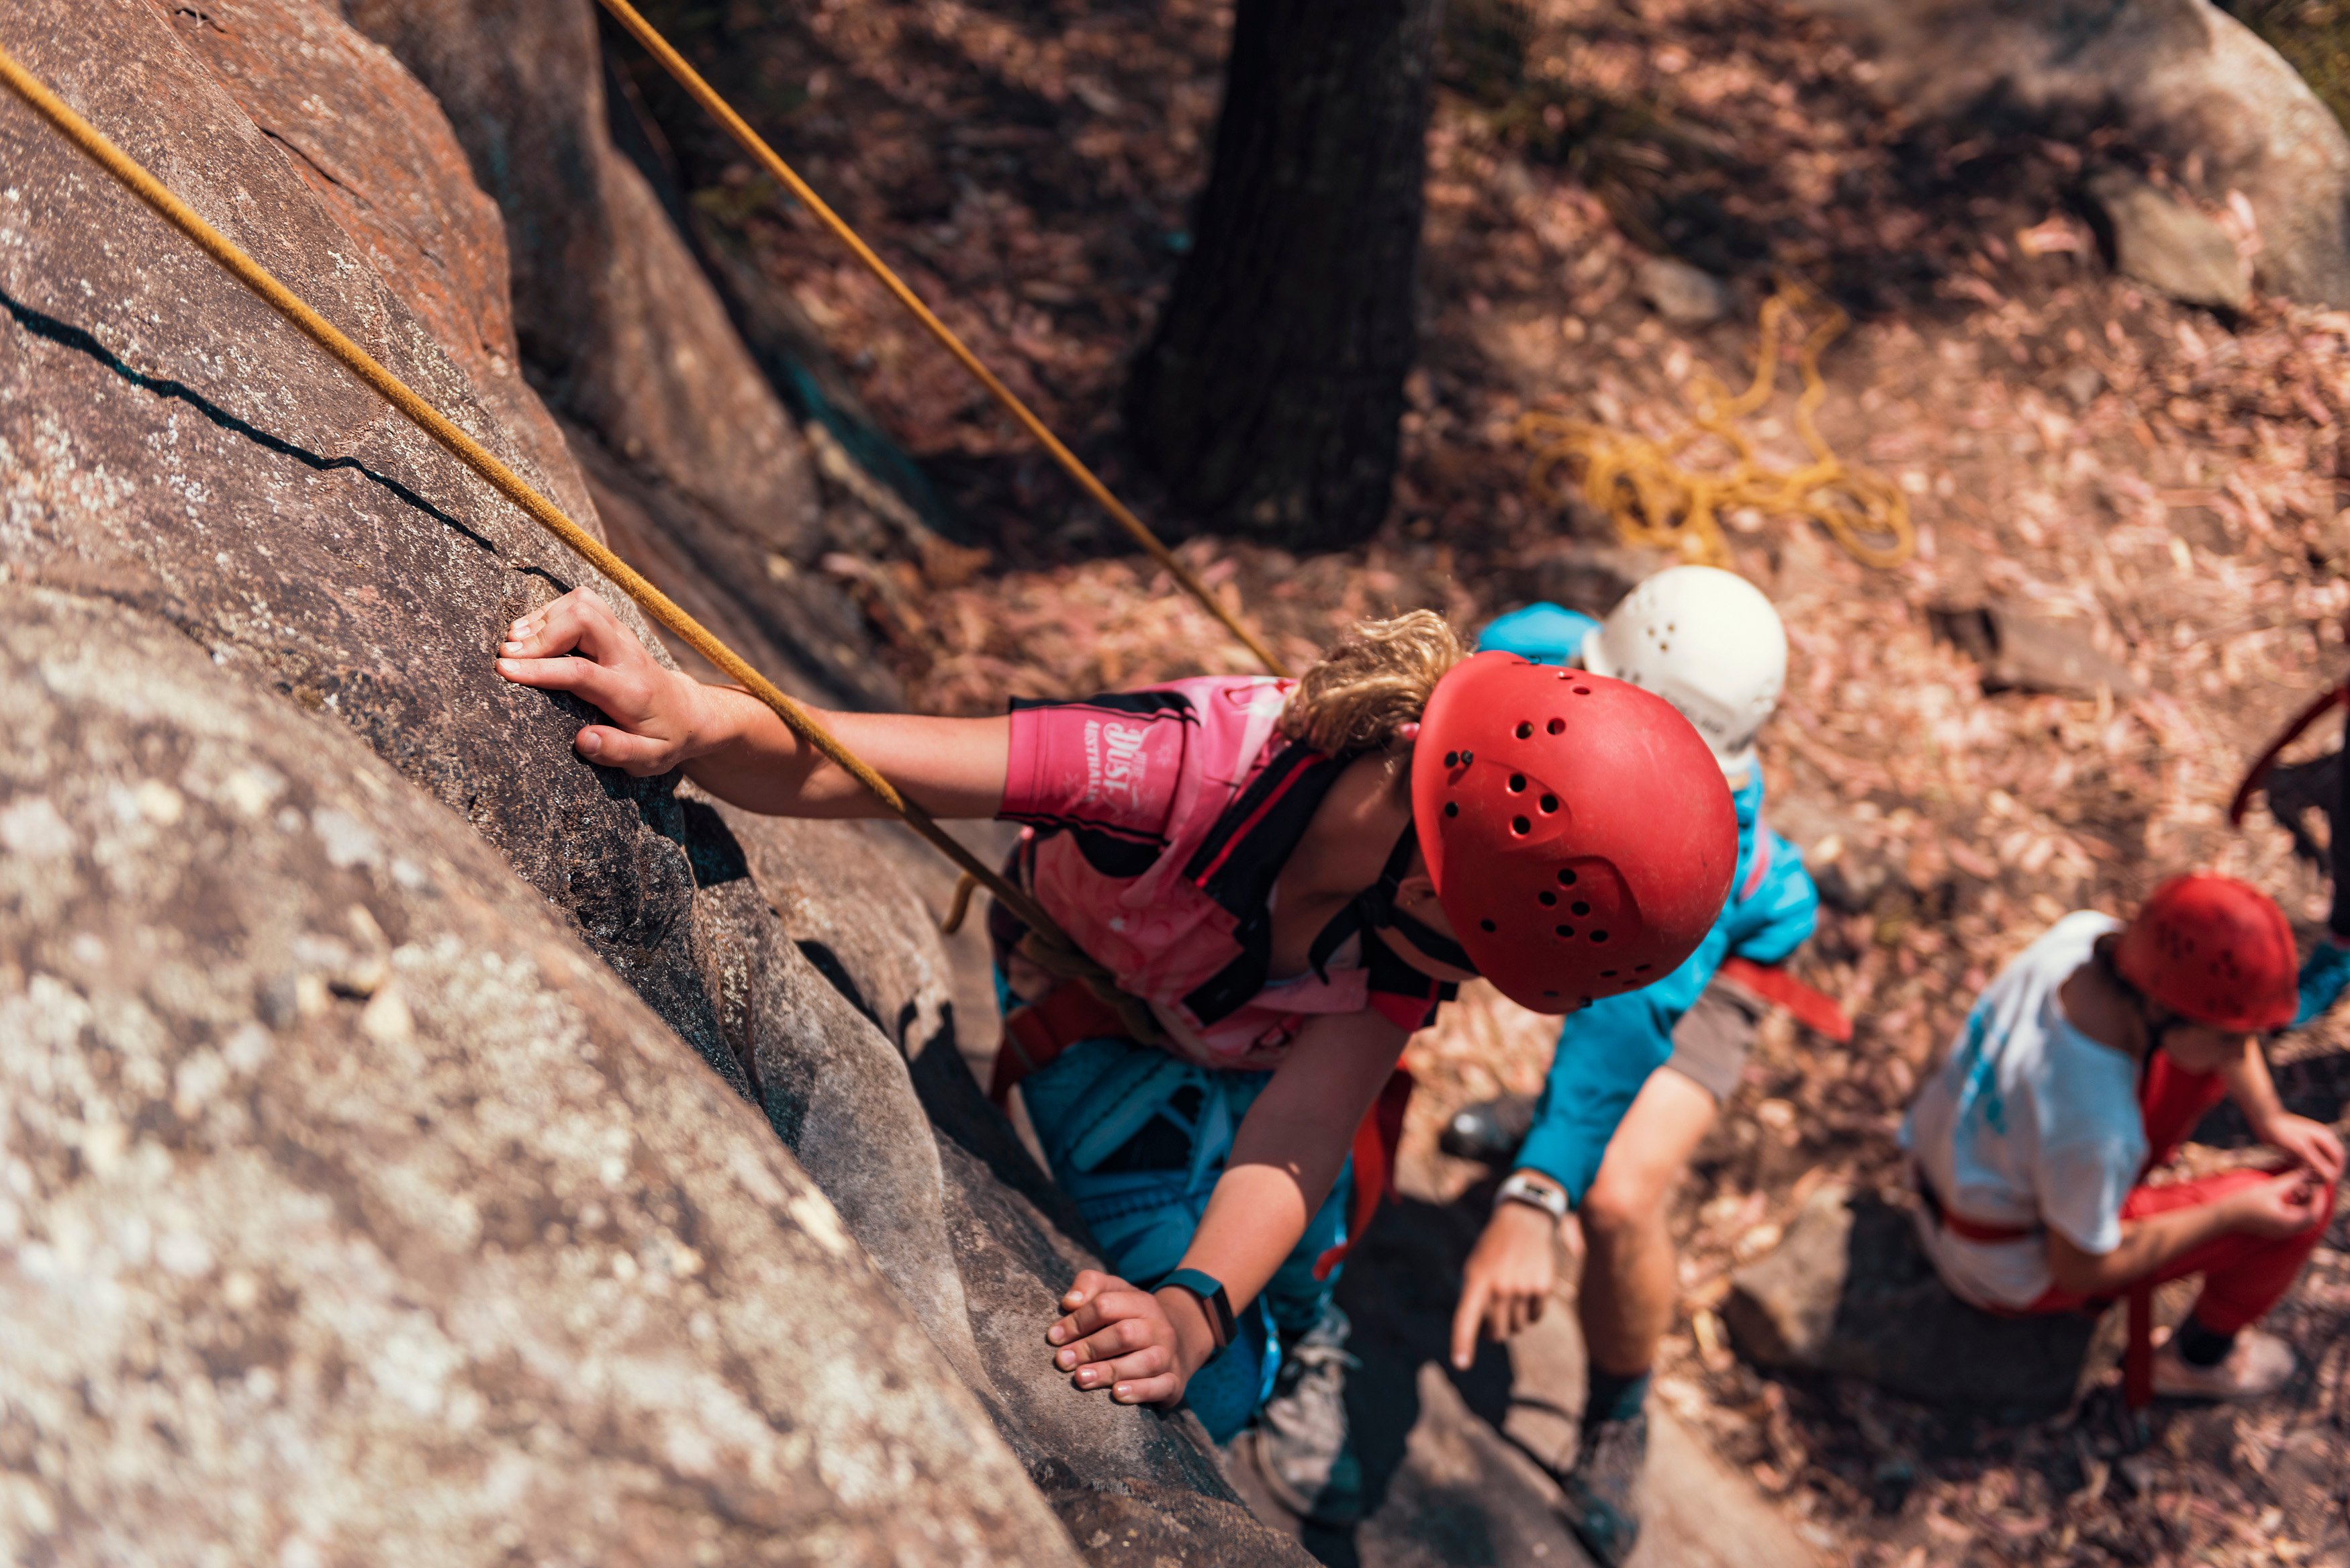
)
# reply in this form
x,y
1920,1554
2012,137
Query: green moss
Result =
x,y
2313,36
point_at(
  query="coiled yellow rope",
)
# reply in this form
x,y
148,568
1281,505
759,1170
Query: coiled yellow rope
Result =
x,y
1656,502
1064,958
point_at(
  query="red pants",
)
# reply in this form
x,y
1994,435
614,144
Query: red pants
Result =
x,y
2243,1276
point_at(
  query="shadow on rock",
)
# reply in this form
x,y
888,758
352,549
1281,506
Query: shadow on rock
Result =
x,y
1850,1292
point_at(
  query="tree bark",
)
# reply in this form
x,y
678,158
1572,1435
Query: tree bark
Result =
x,y
1269,397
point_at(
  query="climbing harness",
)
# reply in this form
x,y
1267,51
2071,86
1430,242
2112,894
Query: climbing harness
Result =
x,y
766,157
1037,1033
1046,944
1655,502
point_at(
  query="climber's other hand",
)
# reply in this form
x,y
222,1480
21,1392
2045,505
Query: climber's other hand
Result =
x,y
1117,1337
657,718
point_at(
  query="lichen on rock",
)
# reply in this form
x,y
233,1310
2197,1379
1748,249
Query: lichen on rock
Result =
x,y
406,1110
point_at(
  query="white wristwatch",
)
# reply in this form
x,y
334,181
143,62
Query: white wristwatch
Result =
x,y
1524,1188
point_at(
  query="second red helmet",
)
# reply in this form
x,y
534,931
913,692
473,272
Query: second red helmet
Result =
x,y
1578,830
2215,951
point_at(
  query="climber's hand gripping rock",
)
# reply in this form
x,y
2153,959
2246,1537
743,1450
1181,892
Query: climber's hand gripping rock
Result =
x,y
733,744
1127,1340
661,718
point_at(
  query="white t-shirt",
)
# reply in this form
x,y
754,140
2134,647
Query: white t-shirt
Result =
x,y
2030,1122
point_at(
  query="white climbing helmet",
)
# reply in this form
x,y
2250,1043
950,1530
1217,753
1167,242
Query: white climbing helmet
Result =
x,y
1705,641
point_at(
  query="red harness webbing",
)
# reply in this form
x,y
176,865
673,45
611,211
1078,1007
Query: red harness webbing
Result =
x,y
1813,1009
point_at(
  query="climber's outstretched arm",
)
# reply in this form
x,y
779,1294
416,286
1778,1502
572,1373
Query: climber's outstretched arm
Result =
x,y
731,743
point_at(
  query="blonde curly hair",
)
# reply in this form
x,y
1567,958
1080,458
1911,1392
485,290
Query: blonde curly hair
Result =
x,y
1375,679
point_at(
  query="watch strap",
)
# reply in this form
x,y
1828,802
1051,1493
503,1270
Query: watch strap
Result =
x,y
1521,1188
1210,1293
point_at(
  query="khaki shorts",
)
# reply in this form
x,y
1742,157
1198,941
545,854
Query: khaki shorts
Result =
x,y
1713,1038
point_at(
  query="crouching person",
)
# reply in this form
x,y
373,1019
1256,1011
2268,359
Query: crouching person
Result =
x,y
1638,1079
2085,1066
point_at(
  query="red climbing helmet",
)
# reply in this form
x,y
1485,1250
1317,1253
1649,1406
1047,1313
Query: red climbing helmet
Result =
x,y
2214,950
1578,830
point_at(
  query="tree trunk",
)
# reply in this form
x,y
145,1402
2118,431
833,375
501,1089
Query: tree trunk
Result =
x,y
1269,397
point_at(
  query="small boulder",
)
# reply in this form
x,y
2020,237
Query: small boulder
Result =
x,y
2019,651
1849,1291
1681,293
2168,245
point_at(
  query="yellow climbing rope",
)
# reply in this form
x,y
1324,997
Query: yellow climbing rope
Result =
x,y
1657,502
766,157
1064,958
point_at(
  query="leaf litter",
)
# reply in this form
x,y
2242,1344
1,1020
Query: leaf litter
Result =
x,y
2165,488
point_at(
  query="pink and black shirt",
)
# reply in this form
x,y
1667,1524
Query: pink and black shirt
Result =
x,y
1159,821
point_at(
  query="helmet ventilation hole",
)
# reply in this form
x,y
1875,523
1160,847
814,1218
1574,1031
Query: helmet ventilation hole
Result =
x,y
1451,759
1525,728
1567,877
1642,968
1564,930
1599,935
1608,973
1549,803
1547,897
1517,784
1451,808
1487,925
1521,827
1557,726
1583,691
1581,908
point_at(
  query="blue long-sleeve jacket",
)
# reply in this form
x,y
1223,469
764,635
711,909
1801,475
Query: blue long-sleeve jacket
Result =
x,y
1607,1051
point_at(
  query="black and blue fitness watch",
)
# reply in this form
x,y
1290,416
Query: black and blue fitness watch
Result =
x,y
1210,1293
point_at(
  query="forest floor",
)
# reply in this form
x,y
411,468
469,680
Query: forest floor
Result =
x,y
2152,481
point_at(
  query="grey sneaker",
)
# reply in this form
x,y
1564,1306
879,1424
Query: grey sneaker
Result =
x,y
1603,1490
1301,1443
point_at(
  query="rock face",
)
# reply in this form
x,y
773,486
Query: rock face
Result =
x,y
700,471
354,1210
2182,77
1849,1291
170,447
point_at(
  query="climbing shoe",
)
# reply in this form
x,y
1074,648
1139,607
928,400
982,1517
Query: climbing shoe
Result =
x,y
2323,976
1301,1442
1602,1501
1491,1131
2257,1365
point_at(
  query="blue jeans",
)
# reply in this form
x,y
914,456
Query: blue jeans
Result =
x,y
1090,1103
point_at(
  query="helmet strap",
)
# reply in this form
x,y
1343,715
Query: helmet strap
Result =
x,y
1376,906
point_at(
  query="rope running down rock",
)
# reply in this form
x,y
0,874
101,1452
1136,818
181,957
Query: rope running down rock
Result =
x,y
766,157
1059,955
